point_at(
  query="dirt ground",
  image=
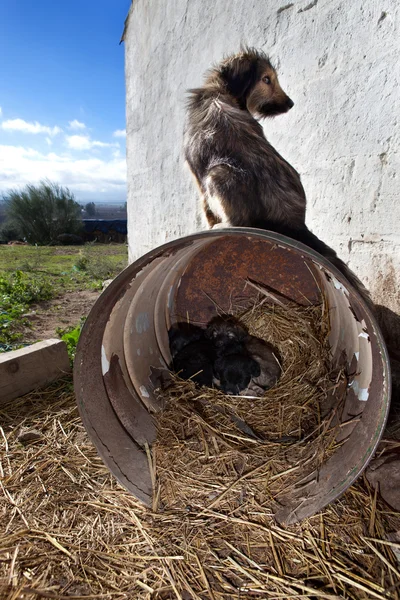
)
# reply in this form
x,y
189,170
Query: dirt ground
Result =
x,y
63,312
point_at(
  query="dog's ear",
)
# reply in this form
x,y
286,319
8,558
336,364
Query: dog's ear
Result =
x,y
239,74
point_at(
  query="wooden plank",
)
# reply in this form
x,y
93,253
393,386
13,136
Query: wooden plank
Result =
x,y
21,371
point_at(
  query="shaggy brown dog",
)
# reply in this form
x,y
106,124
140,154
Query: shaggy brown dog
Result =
x,y
243,180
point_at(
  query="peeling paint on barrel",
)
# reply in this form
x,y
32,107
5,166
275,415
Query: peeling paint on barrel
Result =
x,y
142,322
144,392
105,363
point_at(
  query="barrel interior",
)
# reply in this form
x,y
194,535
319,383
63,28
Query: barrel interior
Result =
x,y
123,353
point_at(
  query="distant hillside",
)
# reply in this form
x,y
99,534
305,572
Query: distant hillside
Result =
x,y
109,211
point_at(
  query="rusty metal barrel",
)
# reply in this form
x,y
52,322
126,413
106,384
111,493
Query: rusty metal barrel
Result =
x,y
123,351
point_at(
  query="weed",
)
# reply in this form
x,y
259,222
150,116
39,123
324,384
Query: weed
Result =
x,y
70,336
35,261
97,266
21,288
9,321
82,262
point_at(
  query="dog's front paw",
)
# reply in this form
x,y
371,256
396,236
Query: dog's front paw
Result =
x,y
221,226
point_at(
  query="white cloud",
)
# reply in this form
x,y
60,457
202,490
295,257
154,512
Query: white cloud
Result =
x,y
75,124
25,127
83,142
104,144
89,178
78,142
119,133
1,111
49,141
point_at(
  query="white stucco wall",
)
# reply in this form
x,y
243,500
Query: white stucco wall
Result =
x,y
340,63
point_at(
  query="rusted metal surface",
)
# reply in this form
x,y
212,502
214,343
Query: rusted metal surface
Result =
x,y
123,352
219,273
122,455
133,415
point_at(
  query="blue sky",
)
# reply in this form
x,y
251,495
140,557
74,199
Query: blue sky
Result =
x,y
62,96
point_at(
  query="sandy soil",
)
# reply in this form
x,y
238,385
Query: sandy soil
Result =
x,y
63,312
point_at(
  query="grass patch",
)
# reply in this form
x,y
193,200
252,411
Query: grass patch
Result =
x,y
17,291
97,266
31,274
58,263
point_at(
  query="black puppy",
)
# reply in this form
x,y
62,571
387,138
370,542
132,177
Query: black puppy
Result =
x,y
192,354
226,331
234,368
266,357
234,372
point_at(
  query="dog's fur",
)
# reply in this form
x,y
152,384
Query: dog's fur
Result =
x,y
234,367
192,354
234,371
225,331
243,180
182,334
232,341
266,356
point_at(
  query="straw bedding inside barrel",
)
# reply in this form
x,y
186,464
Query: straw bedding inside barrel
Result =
x,y
280,438
68,530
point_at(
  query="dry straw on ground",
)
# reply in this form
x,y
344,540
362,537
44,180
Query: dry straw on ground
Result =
x,y
68,530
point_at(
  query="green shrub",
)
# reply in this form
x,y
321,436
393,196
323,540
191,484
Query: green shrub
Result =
x,y
42,212
9,232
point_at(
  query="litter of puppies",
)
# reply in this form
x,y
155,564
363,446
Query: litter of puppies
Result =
x,y
225,356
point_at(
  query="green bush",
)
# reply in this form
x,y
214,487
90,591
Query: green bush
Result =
x,y
43,212
9,232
